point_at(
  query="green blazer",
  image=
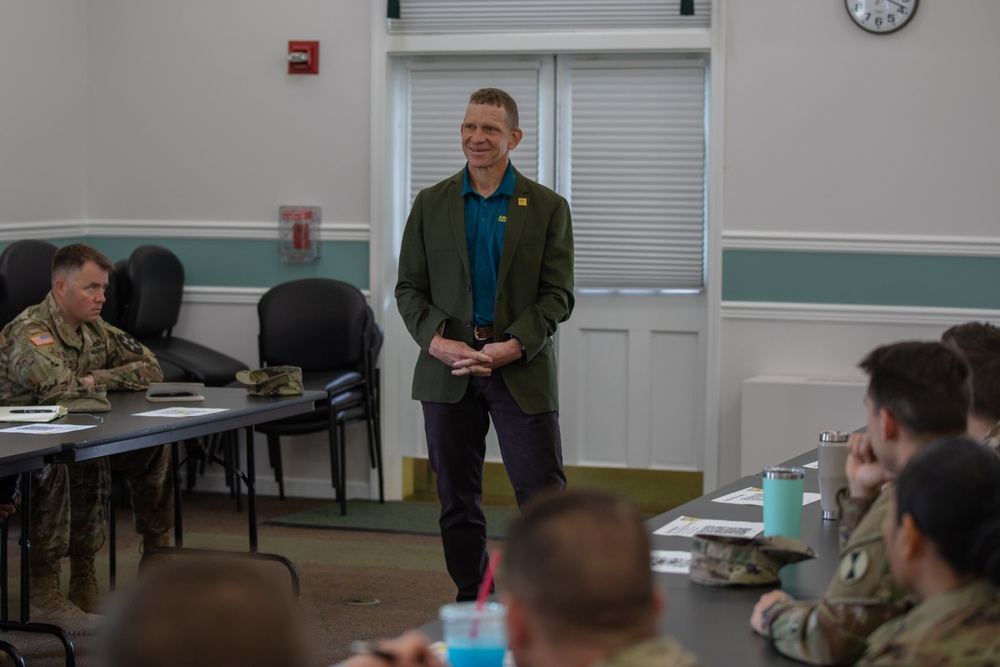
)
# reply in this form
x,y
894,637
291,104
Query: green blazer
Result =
x,y
534,287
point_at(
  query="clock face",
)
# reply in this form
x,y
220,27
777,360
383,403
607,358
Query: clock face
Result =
x,y
881,16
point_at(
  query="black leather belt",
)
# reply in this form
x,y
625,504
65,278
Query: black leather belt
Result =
x,y
484,332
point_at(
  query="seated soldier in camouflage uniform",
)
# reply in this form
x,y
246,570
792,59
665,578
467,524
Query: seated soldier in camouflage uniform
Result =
x,y
579,590
917,393
62,352
942,537
979,343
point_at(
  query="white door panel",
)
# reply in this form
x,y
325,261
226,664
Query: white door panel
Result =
x,y
632,381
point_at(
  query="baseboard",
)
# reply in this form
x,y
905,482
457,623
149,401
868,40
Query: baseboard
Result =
x,y
654,491
894,244
854,314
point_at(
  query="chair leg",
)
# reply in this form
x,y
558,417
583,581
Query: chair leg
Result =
x,y
377,446
234,446
334,453
194,455
274,454
112,537
13,654
4,584
342,455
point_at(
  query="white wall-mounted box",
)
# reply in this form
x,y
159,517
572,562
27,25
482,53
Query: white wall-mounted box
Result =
x,y
783,415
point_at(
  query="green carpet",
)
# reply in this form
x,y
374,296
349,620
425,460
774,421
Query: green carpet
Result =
x,y
412,517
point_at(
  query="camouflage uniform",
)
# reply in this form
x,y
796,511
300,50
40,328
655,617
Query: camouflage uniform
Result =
x,y
956,628
861,597
42,359
656,652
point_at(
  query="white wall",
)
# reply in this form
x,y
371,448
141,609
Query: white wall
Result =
x,y
194,117
160,111
796,347
832,129
43,112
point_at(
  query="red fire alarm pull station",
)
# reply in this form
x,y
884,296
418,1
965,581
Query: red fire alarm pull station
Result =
x,y
298,233
303,57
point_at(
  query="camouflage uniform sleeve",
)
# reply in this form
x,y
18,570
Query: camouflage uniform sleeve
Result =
x,y
48,373
852,511
131,365
654,652
861,597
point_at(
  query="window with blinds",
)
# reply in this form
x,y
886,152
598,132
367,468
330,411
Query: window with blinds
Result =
x,y
633,169
493,16
625,138
439,94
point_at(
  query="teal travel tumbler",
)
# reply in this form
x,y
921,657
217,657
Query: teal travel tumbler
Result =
x,y
783,489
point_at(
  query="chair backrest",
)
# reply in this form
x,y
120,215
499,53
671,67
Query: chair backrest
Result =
x,y
25,276
315,323
152,296
114,296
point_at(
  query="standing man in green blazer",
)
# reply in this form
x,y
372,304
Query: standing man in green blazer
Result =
x,y
485,276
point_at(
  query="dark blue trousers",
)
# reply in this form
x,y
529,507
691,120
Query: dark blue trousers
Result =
x,y
531,448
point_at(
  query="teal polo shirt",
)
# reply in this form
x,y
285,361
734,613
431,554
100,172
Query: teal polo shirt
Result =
x,y
485,222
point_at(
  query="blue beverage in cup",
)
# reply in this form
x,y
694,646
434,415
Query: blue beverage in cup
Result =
x,y
460,656
783,489
475,637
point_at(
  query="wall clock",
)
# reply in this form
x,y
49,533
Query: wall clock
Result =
x,y
881,16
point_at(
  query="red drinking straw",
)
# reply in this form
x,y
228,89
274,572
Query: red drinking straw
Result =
x,y
484,589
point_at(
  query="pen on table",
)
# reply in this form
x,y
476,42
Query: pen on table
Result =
x,y
171,395
23,412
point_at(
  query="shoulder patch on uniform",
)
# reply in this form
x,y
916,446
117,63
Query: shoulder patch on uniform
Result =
x,y
42,339
129,343
854,566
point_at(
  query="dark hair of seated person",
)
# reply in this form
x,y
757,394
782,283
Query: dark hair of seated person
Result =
x,y
925,385
979,344
952,491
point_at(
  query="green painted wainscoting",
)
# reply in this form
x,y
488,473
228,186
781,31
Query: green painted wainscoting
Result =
x,y
933,281
242,263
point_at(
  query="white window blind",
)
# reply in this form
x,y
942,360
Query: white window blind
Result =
x,y
439,94
491,16
629,153
633,168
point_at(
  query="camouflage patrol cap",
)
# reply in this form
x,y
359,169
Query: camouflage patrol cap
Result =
x,y
272,381
718,560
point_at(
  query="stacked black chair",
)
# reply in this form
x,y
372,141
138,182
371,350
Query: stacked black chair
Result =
x,y
25,276
325,327
150,291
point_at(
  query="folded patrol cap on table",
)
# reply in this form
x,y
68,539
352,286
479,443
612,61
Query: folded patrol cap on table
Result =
x,y
272,381
718,560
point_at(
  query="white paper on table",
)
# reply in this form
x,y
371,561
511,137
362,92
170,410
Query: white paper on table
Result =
x,y
46,429
670,562
685,526
754,496
814,465
179,412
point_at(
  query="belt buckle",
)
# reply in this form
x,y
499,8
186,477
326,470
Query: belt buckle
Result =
x,y
482,333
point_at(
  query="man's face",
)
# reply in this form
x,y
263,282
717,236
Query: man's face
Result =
x,y
80,294
486,138
893,548
873,420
